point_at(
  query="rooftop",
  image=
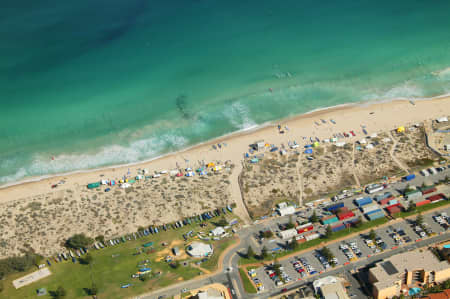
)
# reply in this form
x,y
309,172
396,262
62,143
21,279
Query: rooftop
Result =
x,y
391,270
330,287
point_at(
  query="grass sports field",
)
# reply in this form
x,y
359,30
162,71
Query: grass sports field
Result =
x,y
113,266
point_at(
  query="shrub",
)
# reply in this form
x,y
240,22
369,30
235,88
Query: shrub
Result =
x,y
79,241
18,263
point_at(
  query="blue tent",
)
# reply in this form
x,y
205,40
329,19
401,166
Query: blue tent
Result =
x,y
308,146
309,151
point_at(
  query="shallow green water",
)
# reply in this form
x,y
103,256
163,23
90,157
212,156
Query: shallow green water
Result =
x,y
95,83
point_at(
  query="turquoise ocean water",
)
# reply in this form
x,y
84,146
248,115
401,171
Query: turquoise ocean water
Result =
x,y
96,83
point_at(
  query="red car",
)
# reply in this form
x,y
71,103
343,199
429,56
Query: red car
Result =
x,y
346,135
353,133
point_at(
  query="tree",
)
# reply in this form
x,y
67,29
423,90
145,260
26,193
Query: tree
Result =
x,y
328,232
277,267
267,234
327,253
294,244
314,217
87,259
79,241
59,293
264,253
411,206
38,259
250,252
290,224
372,235
419,219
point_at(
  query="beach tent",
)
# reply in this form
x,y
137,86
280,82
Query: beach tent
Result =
x,y
217,168
369,146
334,139
254,160
400,129
309,151
199,169
125,185
442,120
179,174
308,146
112,182
316,144
362,141
104,182
203,172
210,164
190,173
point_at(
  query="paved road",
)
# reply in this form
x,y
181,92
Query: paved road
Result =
x,y
359,264
230,277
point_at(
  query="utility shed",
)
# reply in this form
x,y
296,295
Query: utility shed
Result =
x,y
287,234
289,210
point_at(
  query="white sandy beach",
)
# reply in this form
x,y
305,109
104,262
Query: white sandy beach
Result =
x,y
33,213
376,117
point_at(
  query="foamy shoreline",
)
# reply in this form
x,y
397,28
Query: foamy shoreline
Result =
x,y
203,151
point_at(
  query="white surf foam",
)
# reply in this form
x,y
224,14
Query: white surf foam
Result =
x,y
111,155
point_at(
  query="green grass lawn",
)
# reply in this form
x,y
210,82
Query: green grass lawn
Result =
x,y
219,246
423,209
110,273
248,285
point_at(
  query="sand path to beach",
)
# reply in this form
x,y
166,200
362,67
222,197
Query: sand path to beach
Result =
x,y
400,164
236,195
353,166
